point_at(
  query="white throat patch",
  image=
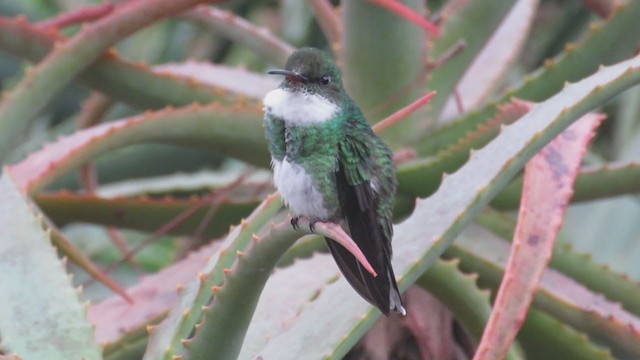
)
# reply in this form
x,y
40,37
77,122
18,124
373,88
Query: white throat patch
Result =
x,y
299,108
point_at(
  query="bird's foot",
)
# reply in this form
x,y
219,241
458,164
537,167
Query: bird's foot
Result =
x,y
312,224
295,223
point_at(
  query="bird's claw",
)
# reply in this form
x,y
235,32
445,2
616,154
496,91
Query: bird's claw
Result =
x,y
296,226
312,225
294,222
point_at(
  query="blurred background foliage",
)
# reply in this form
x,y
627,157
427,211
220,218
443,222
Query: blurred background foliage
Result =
x,y
144,187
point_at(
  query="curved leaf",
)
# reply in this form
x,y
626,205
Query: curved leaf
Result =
x,y
39,85
225,129
41,316
549,178
440,218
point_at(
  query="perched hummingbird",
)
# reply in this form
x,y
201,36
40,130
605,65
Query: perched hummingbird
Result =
x,y
330,166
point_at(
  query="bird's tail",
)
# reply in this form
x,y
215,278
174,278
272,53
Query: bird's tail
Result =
x,y
381,291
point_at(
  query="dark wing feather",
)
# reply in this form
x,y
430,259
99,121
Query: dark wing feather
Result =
x,y
359,207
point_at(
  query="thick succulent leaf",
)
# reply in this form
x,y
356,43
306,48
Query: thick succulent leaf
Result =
x,y
257,185
421,177
441,217
236,80
494,59
166,340
131,83
329,21
145,214
146,160
549,178
608,229
607,42
41,84
41,316
460,293
225,321
615,220
289,292
474,23
581,267
260,40
557,295
234,131
371,41
593,182
116,320
544,337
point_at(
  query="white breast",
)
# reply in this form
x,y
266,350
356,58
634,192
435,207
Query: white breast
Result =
x,y
299,108
297,190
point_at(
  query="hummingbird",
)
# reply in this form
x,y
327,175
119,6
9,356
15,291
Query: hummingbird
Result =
x,y
329,166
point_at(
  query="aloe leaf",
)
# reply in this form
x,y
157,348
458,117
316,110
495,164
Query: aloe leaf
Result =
x,y
474,23
145,160
460,293
579,266
41,316
234,79
243,32
255,184
557,295
440,218
371,40
593,182
608,41
495,58
223,327
39,85
145,214
422,177
584,230
289,292
227,129
131,83
329,21
118,321
549,178
544,337
166,340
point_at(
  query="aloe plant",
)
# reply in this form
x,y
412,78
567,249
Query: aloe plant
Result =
x,y
136,205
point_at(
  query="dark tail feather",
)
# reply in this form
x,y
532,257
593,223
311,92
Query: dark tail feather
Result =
x,y
380,291
359,205
363,282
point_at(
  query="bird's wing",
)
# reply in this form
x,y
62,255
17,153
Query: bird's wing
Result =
x,y
359,192
274,129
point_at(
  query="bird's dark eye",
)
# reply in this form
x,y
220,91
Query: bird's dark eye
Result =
x,y
326,80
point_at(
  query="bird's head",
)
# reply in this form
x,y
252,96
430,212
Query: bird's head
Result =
x,y
311,71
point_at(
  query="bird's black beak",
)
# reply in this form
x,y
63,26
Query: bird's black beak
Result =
x,y
291,75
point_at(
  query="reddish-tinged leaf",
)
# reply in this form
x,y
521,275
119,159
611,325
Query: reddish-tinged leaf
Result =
x,y
234,79
73,253
82,14
406,12
548,186
603,8
495,59
154,295
329,21
431,324
397,116
183,125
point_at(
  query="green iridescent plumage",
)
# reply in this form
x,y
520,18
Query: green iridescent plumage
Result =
x,y
329,165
